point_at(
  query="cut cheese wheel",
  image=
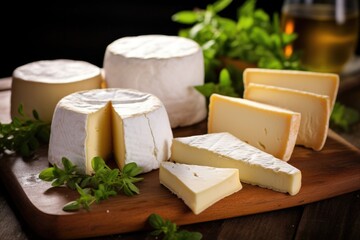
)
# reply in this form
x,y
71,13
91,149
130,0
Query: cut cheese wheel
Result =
x,y
40,85
223,150
314,110
269,128
167,66
319,83
131,124
199,186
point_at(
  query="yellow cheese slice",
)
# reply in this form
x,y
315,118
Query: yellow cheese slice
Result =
x,y
199,186
314,109
271,129
319,83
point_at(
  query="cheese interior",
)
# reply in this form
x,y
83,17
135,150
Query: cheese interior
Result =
x,y
269,128
314,110
223,150
199,186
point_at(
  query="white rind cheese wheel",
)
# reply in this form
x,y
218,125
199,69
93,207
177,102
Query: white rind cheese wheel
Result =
x,y
40,85
167,66
130,124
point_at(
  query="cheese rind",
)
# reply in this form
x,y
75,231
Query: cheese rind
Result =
x,y
319,83
131,124
49,81
314,110
199,186
269,128
223,150
167,66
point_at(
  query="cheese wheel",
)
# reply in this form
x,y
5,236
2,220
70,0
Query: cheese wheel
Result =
x,y
130,124
40,85
166,66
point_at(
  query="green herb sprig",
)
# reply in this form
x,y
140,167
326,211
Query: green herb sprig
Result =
x,y
253,37
170,230
23,134
344,117
102,184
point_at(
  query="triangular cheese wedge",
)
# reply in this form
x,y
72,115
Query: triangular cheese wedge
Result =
x,y
226,151
199,186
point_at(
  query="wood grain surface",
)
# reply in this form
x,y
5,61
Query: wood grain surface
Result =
x,y
333,171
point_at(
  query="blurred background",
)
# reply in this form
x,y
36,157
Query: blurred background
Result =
x,y
81,30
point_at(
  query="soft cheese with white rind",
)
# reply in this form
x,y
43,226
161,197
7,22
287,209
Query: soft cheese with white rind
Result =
x,y
40,85
314,110
167,66
130,124
223,150
199,186
315,82
269,128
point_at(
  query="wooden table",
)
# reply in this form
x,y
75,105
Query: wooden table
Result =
x,y
333,218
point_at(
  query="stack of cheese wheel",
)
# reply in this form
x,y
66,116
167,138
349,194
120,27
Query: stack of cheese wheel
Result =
x,y
40,85
129,124
166,66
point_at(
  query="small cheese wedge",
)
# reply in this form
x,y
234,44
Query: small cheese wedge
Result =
x,y
314,110
315,82
199,186
272,129
132,125
223,150
40,85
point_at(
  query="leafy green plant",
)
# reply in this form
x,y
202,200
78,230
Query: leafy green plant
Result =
x,y
102,184
344,117
169,230
23,134
253,37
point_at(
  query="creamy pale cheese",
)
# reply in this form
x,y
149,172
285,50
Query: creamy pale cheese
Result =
x,y
271,129
223,150
199,186
319,83
40,85
132,125
314,110
167,66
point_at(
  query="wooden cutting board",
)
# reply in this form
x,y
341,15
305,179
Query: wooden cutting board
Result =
x,y
333,171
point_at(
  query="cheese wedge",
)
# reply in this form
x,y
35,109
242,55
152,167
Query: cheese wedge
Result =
x,y
314,109
199,186
167,66
223,150
40,85
271,129
319,83
132,125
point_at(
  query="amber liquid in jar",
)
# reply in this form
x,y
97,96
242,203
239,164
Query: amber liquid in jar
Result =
x,y
326,39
